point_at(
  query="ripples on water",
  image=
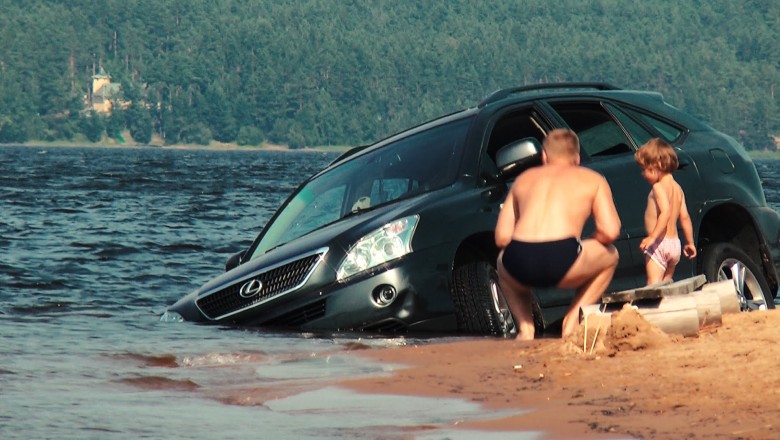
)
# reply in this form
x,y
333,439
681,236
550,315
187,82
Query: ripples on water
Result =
x,y
97,242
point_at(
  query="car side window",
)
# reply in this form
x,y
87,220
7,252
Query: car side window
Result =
x,y
512,126
386,190
667,130
637,132
600,135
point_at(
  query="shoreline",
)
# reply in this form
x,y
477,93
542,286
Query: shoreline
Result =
x,y
214,146
646,384
220,146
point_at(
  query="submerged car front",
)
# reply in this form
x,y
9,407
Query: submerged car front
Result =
x,y
340,254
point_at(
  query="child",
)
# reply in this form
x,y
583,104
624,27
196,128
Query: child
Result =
x,y
665,207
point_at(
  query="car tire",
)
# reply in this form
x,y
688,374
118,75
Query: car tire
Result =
x,y
724,261
480,307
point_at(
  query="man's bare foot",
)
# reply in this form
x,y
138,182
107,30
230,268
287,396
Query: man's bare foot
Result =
x,y
569,325
525,332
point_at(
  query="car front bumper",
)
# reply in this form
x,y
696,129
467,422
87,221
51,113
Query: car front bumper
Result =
x,y
407,295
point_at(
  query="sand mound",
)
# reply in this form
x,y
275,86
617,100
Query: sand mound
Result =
x,y
624,330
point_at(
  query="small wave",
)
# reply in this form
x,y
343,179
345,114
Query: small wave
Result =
x,y
219,359
114,250
240,399
67,211
38,285
352,346
160,383
82,245
178,247
41,308
10,270
163,360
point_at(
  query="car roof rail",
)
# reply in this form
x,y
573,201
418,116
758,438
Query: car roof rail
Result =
x,y
503,93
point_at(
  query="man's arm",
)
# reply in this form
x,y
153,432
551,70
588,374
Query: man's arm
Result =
x,y
506,222
605,214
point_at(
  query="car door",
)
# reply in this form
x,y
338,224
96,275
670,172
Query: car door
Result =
x,y
638,124
605,148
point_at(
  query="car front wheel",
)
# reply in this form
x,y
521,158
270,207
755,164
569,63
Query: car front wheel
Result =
x,y
724,261
480,307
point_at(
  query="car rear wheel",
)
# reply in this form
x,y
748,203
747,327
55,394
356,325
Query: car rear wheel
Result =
x,y
480,307
724,261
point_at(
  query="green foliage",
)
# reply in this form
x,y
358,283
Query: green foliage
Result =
x,y
12,132
250,136
115,123
139,122
198,134
323,72
93,126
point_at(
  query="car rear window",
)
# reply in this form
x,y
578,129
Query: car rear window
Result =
x,y
668,131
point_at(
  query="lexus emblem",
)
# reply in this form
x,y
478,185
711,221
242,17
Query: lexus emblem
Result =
x,y
251,288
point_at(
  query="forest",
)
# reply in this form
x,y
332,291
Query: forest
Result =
x,y
306,73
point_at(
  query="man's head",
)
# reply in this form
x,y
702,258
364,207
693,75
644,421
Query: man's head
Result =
x,y
657,154
561,144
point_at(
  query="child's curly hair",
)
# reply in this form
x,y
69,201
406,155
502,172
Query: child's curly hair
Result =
x,y
657,153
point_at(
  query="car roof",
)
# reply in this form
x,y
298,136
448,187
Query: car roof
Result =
x,y
649,100
501,94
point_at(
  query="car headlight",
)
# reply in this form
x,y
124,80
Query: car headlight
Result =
x,y
171,316
387,243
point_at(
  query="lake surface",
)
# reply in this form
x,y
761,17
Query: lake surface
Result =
x,y
95,243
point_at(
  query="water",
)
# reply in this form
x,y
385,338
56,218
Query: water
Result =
x,y
95,243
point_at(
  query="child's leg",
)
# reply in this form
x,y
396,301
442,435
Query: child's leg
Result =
x,y
655,273
669,272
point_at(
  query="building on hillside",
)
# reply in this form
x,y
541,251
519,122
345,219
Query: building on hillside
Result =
x,y
104,93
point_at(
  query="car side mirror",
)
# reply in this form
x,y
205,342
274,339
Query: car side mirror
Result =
x,y
516,157
234,261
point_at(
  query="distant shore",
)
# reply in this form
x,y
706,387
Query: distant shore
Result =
x,y
223,146
213,145
231,146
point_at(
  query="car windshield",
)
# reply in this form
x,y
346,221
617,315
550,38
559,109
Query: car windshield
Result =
x,y
424,161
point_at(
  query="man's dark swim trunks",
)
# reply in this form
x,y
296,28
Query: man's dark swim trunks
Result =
x,y
540,264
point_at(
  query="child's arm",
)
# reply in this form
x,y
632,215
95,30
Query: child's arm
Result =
x,y
664,212
687,226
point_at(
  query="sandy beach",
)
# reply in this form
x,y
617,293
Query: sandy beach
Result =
x,y
638,382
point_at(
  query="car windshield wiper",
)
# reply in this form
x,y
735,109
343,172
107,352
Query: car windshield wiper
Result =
x,y
359,211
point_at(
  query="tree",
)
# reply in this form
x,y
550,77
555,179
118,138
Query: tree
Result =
x,y
93,126
139,121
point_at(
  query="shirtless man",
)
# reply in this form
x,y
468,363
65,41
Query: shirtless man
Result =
x,y
539,229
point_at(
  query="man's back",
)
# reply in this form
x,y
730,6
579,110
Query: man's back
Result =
x,y
539,233
554,202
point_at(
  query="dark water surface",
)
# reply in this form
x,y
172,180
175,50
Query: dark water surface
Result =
x,y
95,243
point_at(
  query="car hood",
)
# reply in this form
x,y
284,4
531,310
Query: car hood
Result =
x,y
337,237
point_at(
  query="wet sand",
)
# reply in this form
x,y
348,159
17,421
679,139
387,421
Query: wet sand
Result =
x,y
638,382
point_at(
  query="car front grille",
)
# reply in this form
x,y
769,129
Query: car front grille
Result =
x,y
387,326
275,281
301,316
